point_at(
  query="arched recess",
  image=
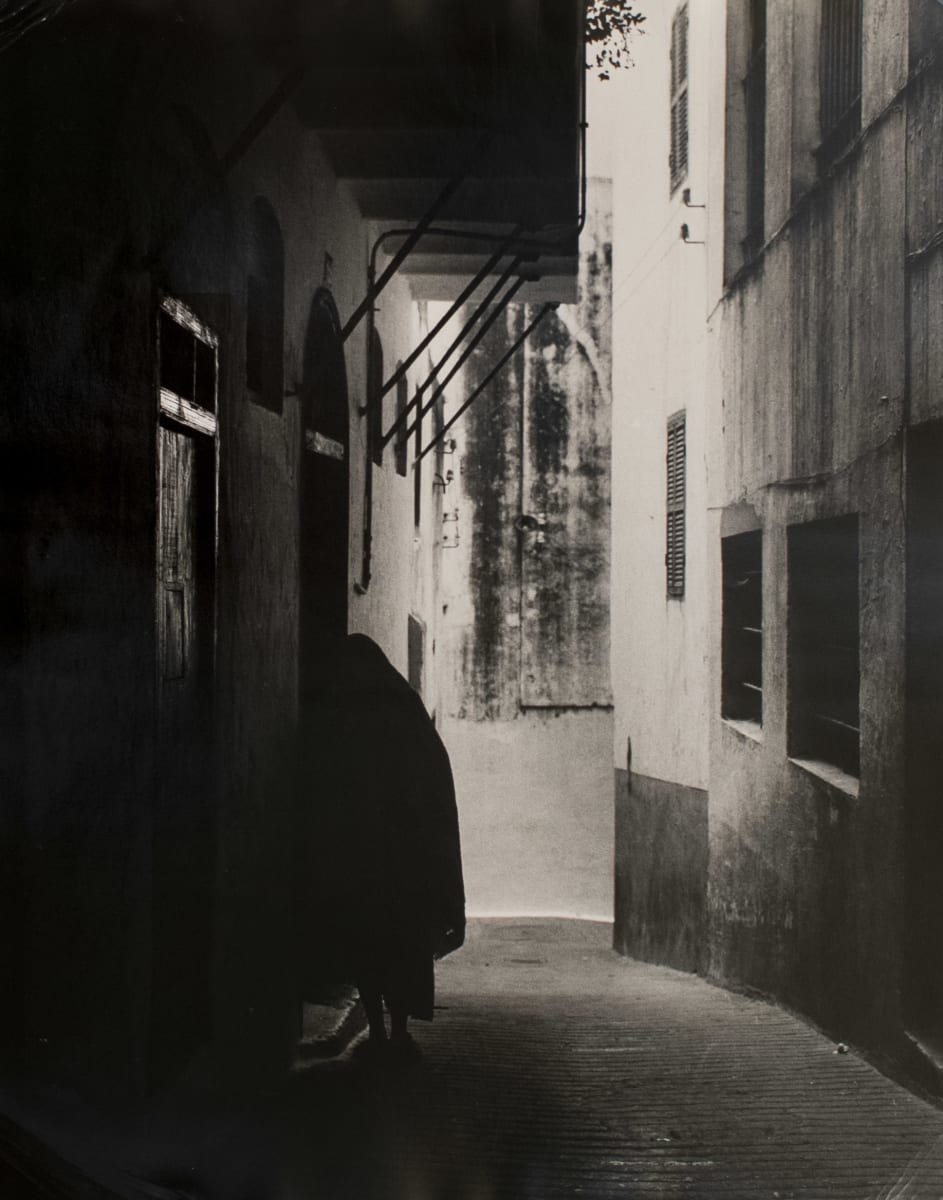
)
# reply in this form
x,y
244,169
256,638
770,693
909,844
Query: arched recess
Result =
x,y
324,507
265,308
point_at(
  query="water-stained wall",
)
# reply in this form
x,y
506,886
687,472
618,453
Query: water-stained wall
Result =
x,y
527,680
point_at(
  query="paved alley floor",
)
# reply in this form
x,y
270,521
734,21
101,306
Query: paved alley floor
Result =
x,y
556,1068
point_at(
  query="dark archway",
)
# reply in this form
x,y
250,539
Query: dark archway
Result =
x,y
265,308
324,505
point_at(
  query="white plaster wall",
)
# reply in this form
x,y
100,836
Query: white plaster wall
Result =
x,y
660,310
403,578
536,813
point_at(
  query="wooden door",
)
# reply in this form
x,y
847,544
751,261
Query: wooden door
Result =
x,y
183,849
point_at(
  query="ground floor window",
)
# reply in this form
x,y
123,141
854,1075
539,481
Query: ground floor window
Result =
x,y
742,652
823,657
416,652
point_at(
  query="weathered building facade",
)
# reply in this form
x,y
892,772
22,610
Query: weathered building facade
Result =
x,y
527,706
820,889
653,123
196,492
820,524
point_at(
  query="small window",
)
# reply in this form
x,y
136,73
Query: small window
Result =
x,y
839,76
678,158
402,400
375,407
754,89
742,639
417,467
823,643
416,652
187,356
265,309
674,551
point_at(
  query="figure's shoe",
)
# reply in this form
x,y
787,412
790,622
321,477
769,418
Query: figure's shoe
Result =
x,y
371,1052
403,1051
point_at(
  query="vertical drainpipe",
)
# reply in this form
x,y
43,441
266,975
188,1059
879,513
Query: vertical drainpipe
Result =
x,y
366,545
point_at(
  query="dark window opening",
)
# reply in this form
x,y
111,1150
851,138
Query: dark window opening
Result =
x,y
205,376
754,87
416,652
675,523
187,363
742,636
678,158
839,77
417,467
402,400
177,357
824,668
265,309
375,409
438,424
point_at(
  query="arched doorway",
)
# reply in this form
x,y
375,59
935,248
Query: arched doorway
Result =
x,y
324,490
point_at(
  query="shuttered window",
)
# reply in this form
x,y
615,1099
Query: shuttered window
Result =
x,y
674,552
742,641
839,76
823,642
678,159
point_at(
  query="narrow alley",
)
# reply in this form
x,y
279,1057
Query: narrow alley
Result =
x,y
554,1067
557,1068
471,543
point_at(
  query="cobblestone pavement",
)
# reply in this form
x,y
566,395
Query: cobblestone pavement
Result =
x,y
553,1068
556,1068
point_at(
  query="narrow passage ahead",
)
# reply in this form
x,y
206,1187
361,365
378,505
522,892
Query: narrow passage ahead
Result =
x,y
556,1068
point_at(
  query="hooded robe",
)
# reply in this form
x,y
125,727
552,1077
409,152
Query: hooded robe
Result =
x,y
379,864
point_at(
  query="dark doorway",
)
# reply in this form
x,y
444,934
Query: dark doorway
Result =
x,y
323,493
184,860
923,990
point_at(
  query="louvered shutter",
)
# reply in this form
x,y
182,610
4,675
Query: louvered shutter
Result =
x,y
678,156
674,553
840,75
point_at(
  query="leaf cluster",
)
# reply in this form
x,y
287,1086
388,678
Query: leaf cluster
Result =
x,y
609,25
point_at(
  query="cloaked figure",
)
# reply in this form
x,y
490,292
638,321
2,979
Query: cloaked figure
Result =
x,y
380,866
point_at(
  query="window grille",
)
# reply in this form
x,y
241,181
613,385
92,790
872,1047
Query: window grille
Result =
x,y
678,158
840,76
824,667
402,400
754,86
742,635
674,554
